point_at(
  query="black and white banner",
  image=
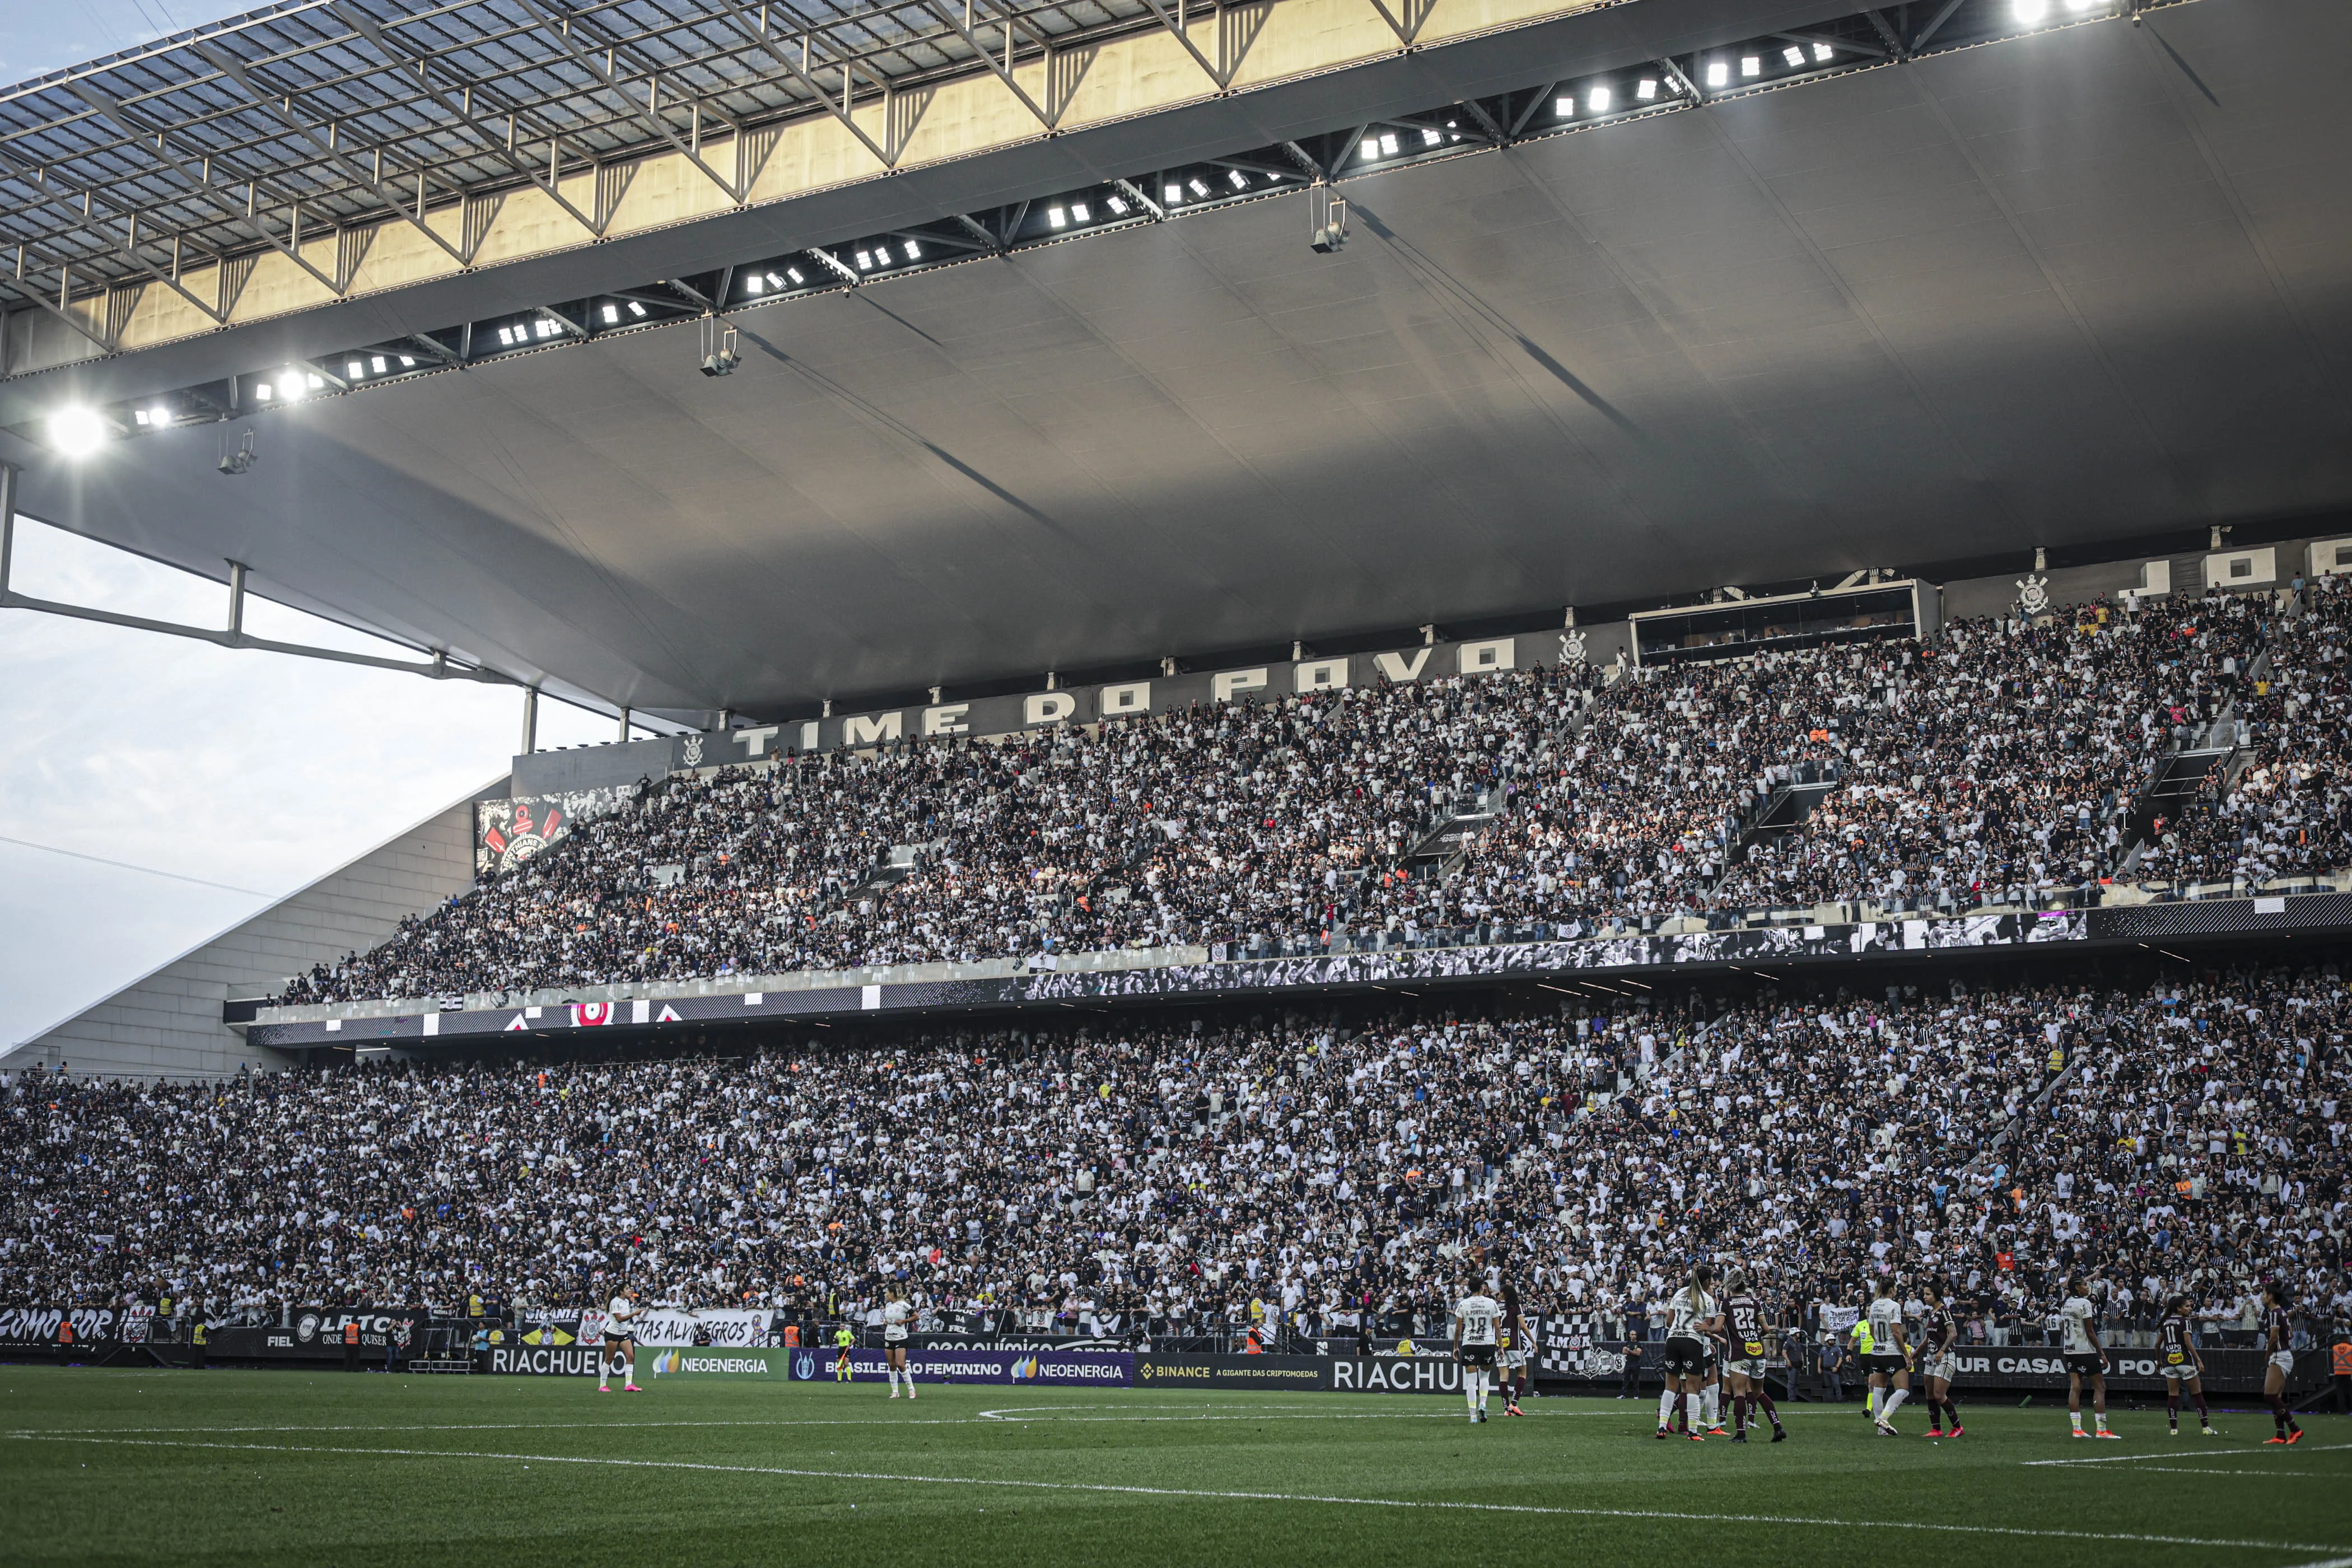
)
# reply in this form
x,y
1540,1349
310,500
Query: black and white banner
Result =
x,y
1236,978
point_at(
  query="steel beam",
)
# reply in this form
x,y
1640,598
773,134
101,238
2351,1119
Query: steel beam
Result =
x,y
649,117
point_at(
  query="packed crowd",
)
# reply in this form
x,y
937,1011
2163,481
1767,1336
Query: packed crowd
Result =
x,y
2285,808
2001,764
1188,1178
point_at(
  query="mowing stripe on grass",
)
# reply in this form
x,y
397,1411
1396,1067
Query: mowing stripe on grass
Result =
x,y
1116,1489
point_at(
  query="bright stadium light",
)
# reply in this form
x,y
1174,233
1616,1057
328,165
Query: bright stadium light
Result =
x,y
1751,65
1793,54
1718,73
76,432
1564,107
612,315
1599,98
2031,12
1821,52
1646,90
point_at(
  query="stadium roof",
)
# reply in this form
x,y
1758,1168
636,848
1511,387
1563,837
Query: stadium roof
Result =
x,y
1873,300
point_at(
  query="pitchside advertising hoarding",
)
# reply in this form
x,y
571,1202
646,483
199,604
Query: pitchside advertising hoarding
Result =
x,y
802,1363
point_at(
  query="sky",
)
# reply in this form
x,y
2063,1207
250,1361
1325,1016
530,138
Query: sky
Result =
x,y
36,39
171,759
177,761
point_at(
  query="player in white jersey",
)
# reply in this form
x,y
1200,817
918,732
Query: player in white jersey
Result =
x,y
1691,1315
1890,1356
895,1318
620,1343
1476,1317
2085,1356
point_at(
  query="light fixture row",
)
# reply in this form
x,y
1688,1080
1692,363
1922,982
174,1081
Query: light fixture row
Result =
x,y
1840,45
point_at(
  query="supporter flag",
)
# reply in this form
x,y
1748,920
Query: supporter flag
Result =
x,y
590,1014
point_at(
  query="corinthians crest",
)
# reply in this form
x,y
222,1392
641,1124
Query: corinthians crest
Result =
x,y
2032,596
693,751
1571,646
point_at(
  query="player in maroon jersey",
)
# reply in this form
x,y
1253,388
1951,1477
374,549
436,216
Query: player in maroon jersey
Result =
x,y
2183,1368
2275,1332
1743,1320
1942,1335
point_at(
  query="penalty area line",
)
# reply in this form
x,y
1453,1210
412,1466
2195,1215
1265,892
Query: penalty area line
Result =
x,y
1116,1489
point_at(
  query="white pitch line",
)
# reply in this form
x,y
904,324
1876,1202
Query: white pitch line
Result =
x,y
990,1417
1103,1487
2211,1453
2186,1471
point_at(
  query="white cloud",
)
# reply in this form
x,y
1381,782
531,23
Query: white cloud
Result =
x,y
259,770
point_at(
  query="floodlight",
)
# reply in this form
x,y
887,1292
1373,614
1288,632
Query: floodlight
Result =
x,y
141,416
612,315
1646,91
1057,217
1563,106
1751,65
1599,98
1431,138
637,309
1172,194
240,461
261,392
1821,52
914,252
755,283
1371,147
76,432
315,381
354,370
866,261
290,383
1389,143
1199,188
1118,208
408,362
159,414
721,354
1718,74
792,272
1793,54
2030,12
1079,211
377,361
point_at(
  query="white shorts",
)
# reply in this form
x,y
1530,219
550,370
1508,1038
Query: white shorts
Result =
x,y
1512,1361
2185,1372
2282,1360
1943,1366
1750,1369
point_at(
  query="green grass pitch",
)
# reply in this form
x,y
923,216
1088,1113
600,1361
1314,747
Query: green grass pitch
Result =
x,y
330,1471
